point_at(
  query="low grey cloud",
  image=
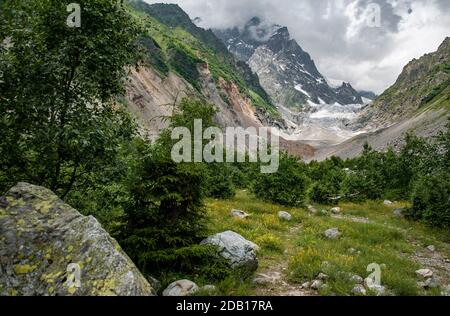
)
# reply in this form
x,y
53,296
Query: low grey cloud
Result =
x,y
337,34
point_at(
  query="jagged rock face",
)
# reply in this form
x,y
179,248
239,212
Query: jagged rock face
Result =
x,y
285,70
242,43
424,82
48,248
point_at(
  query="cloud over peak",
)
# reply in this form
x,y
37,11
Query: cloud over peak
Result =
x,y
342,35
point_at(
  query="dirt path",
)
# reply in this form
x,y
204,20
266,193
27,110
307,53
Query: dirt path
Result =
x,y
435,261
273,281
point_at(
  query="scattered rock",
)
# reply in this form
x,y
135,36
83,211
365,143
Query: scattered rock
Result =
x,y
239,214
357,279
378,289
312,209
424,273
431,248
45,242
306,285
429,283
316,284
398,212
181,288
285,216
332,233
336,210
240,252
359,289
387,202
322,277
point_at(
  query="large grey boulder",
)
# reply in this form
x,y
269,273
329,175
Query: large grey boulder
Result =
x,y
48,248
239,252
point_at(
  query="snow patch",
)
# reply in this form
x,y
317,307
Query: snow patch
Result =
x,y
299,88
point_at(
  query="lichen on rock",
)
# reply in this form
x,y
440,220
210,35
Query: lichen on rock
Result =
x,y
49,248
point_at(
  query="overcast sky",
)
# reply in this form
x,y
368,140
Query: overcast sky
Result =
x,y
337,34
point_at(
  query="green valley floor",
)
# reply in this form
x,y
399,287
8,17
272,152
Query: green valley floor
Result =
x,y
293,254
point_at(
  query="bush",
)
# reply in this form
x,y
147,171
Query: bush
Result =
x,y
327,177
431,200
288,186
321,193
219,181
366,180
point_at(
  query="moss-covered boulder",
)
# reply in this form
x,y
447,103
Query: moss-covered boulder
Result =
x,y
48,248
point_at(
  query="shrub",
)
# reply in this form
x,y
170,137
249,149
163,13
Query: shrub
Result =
x,y
219,181
288,186
431,200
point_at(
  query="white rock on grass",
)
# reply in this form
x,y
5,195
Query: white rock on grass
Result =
x,y
322,277
306,285
332,233
431,248
429,283
312,209
424,273
378,289
239,214
285,216
387,202
316,284
356,279
181,288
336,210
359,290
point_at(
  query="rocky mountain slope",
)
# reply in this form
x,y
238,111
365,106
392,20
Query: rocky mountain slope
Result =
x,y
423,83
286,71
418,102
185,60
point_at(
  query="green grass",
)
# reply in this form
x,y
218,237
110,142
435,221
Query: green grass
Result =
x,y
301,247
